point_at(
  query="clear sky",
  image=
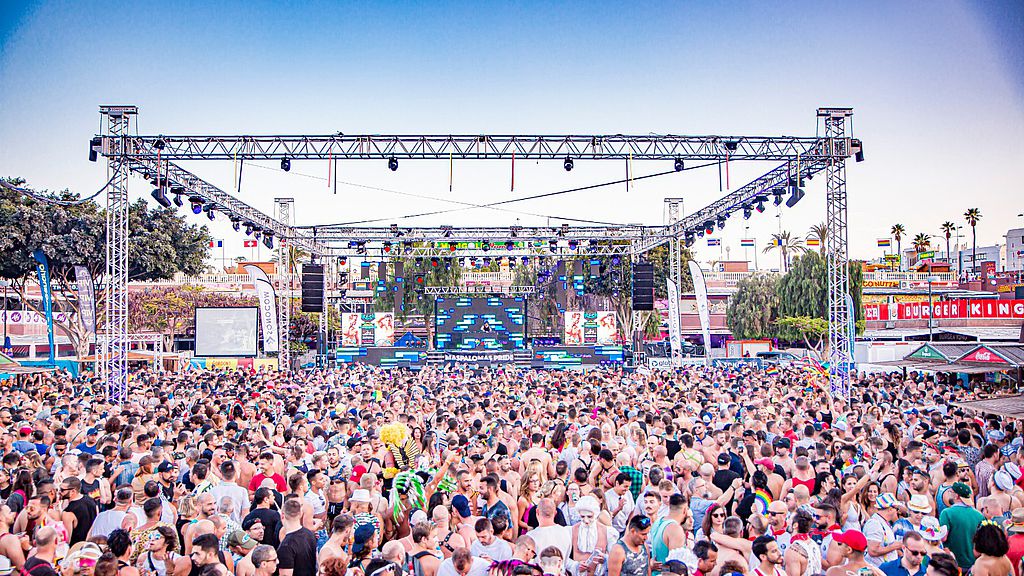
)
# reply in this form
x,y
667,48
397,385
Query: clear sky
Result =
x,y
937,88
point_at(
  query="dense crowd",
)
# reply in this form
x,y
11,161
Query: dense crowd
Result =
x,y
460,472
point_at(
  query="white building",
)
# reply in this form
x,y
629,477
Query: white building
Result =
x,y
1015,249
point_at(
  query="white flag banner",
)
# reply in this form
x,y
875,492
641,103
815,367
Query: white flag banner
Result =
x,y
675,331
700,290
268,308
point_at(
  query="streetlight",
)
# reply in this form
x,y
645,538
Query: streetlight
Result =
x,y
931,315
5,284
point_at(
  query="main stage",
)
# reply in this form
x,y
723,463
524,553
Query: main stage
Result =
x,y
547,357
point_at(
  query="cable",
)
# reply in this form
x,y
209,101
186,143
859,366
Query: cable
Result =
x,y
514,200
48,200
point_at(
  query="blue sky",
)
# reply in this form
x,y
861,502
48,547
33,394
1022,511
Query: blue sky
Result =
x,y
937,88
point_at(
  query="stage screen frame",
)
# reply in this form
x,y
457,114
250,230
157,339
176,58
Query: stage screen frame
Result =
x,y
247,314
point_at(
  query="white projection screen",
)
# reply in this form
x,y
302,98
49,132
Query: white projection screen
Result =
x,y
226,332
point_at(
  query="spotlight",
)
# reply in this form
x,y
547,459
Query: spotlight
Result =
x,y
236,224
197,204
248,229
616,260
393,164
447,231
567,164
257,233
593,245
731,145
689,240
419,262
721,222
387,247
526,259
679,165
434,262
795,194
268,239
709,227
747,211
159,144
760,206
487,260
777,195
485,245
94,145
452,246
343,261
161,198
510,245
573,244
700,233
286,164
552,245
361,247
209,212
177,200
177,191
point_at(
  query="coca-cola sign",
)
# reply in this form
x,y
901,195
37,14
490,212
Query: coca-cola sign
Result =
x,y
984,355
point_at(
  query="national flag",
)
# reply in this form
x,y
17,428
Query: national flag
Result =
x,y
813,242
714,241
884,243
775,242
216,243
249,243
747,243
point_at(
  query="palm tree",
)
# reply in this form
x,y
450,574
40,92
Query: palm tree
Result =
x,y
820,233
898,230
922,242
787,245
972,216
948,228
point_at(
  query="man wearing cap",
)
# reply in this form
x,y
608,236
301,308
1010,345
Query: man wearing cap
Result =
x,y
89,446
852,545
962,521
882,541
240,544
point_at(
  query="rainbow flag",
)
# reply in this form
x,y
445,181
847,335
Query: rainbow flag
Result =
x,y
813,242
764,498
772,370
747,243
884,243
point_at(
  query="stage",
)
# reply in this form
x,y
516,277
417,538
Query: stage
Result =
x,y
546,357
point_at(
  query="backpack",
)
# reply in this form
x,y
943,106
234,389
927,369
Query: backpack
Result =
x,y
413,565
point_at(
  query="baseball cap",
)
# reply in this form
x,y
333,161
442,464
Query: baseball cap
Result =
x,y
251,521
765,462
461,505
25,430
885,501
92,432
165,466
240,538
853,538
962,490
723,459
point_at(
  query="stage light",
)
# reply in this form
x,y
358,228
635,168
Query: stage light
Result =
x,y
452,246
760,206
419,262
567,164
236,224
526,259
721,221
94,144
361,247
616,260
197,204
342,261
268,239
731,145
393,164
487,260
161,198
777,195
248,229
689,240
593,245
210,213
159,144
709,227
434,262
679,165
747,211
286,164
485,245
387,247
573,244
510,245
257,233
447,231
700,233
795,194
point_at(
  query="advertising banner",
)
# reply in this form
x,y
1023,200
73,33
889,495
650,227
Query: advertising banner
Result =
x,y
384,329
376,329
268,308
573,333
700,289
607,327
675,331
947,309
43,269
86,298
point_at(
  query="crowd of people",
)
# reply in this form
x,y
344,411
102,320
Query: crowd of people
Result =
x,y
362,471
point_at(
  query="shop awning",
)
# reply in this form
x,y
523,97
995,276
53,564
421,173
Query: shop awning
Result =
x,y
1010,406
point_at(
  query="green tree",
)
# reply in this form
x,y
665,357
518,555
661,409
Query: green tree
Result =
x,y
72,233
897,231
803,291
948,228
922,242
814,331
752,310
972,216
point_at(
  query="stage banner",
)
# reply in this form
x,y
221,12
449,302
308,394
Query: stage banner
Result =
x,y
700,290
675,331
43,269
573,328
607,327
350,332
86,298
268,308
384,329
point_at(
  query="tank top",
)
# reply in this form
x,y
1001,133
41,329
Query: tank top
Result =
x,y
810,550
635,563
852,517
940,503
659,550
809,483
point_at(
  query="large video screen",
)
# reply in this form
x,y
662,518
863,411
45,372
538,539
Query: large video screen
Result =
x,y
226,332
480,323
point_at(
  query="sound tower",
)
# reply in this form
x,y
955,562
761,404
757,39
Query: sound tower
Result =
x,y
560,285
312,287
643,286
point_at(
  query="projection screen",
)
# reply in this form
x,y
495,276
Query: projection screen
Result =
x,y
226,332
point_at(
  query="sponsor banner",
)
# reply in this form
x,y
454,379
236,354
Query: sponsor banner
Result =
x,y
268,307
86,298
881,283
478,357
43,270
700,290
675,332
947,309
589,328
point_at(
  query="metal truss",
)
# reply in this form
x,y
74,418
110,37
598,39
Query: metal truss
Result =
x,y
175,176
284,300
441,251
477,234
114,347
479,289
480,147
837,257
758,190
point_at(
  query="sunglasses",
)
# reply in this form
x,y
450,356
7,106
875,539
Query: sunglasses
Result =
x,y
914,553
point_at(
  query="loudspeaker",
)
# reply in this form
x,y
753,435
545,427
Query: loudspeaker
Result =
x,y
312,287
643,286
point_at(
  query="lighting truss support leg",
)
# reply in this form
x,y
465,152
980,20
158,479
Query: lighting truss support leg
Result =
x,y
115,345
284,355
839,313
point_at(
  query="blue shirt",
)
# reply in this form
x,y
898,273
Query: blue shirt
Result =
x,y
896,568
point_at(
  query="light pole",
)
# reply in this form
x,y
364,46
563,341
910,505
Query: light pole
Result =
x,y
5,284
930,314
